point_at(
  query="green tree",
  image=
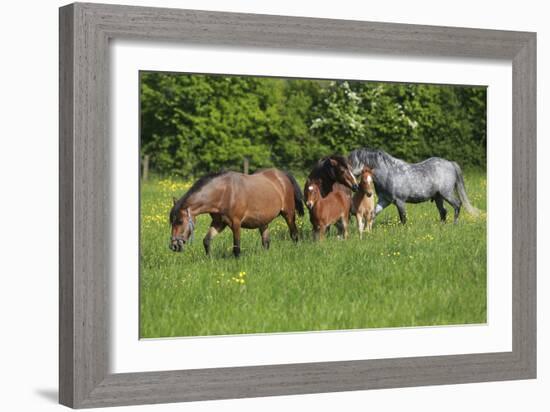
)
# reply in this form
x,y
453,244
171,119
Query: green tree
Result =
x,y
192,124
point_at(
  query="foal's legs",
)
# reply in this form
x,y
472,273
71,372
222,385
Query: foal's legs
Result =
x,y
370,219
264,232
316,233
290,218
442,211
216,226
319,232
360,224
345,223
322,232
339,227
342,226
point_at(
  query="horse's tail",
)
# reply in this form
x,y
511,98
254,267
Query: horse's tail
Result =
x,y
298,198
461,189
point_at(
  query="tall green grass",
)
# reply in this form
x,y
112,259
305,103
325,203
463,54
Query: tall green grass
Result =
x,y
424,273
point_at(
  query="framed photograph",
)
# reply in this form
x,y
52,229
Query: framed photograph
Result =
x,y
257,205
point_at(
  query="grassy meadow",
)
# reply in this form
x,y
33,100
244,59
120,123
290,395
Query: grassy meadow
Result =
x,y
424,273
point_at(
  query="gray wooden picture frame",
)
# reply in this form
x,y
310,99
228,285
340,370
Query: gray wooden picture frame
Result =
x,y
85,31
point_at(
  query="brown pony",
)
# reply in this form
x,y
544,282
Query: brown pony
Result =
x,y
237,200
325,211
363,202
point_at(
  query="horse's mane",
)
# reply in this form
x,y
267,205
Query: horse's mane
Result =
x,y
320,169
372,157
198,185
323,173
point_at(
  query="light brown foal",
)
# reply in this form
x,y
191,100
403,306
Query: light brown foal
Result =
x,y
363,202
325,211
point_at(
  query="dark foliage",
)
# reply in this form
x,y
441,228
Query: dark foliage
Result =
x,y
193,124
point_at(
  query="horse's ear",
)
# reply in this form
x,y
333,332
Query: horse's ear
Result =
x,y
333,162
174,200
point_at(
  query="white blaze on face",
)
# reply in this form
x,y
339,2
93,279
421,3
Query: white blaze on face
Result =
x,y
369,179
309,203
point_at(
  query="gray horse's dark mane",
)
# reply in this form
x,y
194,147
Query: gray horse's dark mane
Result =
x,y
198,185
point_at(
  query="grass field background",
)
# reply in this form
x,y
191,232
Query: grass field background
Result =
x,y
424,273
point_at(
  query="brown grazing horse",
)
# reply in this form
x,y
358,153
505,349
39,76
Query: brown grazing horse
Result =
x,y
325,211
330,170
238,201
363,202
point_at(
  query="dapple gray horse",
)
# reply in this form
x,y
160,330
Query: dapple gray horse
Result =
x,y
399,182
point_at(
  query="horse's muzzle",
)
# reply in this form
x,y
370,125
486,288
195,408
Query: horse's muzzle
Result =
x,y
176,245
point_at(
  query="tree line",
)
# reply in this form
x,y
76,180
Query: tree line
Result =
x,y
191,124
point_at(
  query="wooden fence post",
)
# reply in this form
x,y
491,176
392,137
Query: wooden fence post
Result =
x,y
245,165
145,167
